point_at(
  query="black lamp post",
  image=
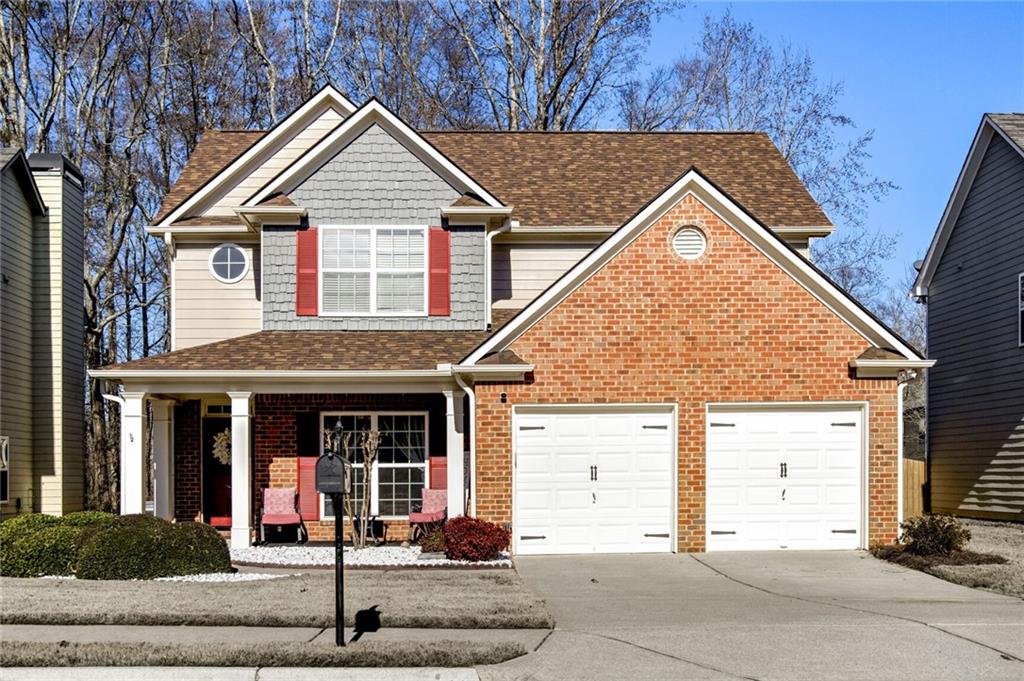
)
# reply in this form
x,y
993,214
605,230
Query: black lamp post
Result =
x,y
338,501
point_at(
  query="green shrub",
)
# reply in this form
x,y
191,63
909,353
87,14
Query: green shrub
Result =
x,y
53,550
433,542
144,547
934,535
19,526
87,519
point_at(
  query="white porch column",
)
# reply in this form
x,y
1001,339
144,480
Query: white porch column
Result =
x,y
456,462
163,488
241,475
133,453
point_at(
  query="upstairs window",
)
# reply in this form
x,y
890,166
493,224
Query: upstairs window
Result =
x,y
373,270
228,263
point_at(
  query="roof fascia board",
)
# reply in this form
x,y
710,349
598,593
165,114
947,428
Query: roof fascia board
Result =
x,y
964,181
291,375
19,165
692,182
888,368
200,230
298,119
357,123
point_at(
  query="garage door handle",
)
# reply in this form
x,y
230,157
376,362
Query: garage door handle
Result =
x,y
523,537
723,531
848,424
659,536
531,427
844,531
655,427
722,425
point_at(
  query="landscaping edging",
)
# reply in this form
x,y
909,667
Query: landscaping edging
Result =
x,y
370,558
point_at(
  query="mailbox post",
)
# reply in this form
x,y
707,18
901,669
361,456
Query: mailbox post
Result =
x,y
331,480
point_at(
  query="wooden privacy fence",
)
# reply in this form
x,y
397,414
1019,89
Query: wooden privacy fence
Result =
x,y
915,476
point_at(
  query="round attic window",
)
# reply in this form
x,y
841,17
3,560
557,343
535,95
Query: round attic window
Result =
x,y
689,243
228,263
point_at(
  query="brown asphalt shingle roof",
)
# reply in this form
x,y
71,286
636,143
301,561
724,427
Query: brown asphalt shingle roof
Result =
x,y
322,351
581,178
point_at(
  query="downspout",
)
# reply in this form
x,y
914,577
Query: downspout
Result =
x,y
488,274
472,441
903,378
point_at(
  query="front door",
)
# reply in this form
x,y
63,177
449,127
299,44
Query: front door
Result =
x,y
216,474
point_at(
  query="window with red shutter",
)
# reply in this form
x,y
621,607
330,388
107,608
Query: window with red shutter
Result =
x,y
309,499
306,274
440,262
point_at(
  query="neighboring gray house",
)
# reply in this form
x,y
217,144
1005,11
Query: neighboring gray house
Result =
x,y
42,367
973,282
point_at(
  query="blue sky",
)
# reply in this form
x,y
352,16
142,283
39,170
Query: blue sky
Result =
x,y
919,74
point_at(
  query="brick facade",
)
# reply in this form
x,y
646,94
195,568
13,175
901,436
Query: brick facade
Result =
x,y
188,487
651,327
275,440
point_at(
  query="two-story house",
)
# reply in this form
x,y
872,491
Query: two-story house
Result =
x,y
612,342
42,362
972,280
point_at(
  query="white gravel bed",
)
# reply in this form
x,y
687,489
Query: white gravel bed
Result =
x,y
222,577
371,556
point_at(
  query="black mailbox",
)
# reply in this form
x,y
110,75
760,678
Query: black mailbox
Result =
x,y
330,475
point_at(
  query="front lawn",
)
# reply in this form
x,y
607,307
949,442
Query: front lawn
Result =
x,y
487,599
362,654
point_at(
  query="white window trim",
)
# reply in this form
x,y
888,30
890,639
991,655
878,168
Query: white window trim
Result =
x,y
213,272
5,464
1020,309
373,271
374,494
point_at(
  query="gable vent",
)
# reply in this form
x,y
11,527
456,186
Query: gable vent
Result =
x,y
689,243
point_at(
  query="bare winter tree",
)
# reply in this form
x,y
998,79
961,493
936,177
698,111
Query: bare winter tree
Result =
x,y
737,80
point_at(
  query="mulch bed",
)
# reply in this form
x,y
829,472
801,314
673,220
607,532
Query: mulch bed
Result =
x,y
901,556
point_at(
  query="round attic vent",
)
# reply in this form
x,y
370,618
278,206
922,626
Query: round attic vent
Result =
x,y
689,243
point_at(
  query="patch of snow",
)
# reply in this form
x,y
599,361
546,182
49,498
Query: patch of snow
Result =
x,y
371,556
222,577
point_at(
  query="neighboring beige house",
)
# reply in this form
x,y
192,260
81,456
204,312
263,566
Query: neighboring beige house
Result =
x,y
42,367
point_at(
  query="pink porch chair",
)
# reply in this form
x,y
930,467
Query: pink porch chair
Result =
x,y
281,507
431,516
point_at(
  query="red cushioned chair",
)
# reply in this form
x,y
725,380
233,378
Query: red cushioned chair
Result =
x,y
281,507
432,514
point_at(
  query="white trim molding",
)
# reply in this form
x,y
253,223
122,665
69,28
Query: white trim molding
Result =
x,y
328,97
888,368
370,113
763,238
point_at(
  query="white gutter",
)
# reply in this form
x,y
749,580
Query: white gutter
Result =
x,y
880,368
472,440
114,374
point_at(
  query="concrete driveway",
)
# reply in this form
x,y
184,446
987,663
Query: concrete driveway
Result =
x,y
770,615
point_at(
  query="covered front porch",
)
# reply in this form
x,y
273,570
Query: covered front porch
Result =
x,y
273,438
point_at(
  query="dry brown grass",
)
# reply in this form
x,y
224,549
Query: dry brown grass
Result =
x,y
452,599
1001,539
440,653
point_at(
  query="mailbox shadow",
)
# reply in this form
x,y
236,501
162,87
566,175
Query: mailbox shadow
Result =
x,y
367,621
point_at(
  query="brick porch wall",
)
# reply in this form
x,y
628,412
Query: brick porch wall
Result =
x,y
275,439
651,327
188,486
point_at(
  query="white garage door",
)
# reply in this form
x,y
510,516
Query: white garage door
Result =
x,y
784,479
593,482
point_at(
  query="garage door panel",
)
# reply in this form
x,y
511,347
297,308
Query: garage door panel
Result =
x,y
745,482
631,497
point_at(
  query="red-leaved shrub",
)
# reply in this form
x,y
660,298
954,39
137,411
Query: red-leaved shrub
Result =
x,y
472,539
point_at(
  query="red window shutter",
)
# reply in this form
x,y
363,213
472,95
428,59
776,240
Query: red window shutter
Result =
x,y
440,280
306,272
309,500
438,472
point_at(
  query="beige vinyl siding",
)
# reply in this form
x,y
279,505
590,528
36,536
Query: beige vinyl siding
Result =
x,y
277,162
206,310
58,335
16,339
521,271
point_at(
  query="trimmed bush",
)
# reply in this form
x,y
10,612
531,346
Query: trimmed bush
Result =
x,y
13,529
145,547
433,542
52,550
472,539
934,535
87,519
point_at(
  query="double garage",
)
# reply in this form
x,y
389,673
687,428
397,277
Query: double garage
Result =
x,y
605,479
